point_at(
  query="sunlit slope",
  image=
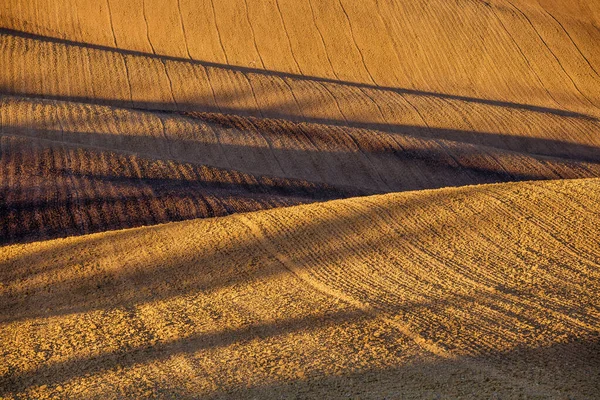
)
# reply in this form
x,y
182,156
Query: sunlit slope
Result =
x,y
71,168
43,66
544,52
475,292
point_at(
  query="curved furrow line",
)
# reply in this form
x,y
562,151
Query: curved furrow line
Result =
x,y
214,15
572,41
458,276
287,35
322,39
553,54
124,57
355,44
299,269
524,57
187,49
546,228
262,63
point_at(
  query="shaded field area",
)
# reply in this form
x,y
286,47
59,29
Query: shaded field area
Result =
x,y
488,290
52,189
73,168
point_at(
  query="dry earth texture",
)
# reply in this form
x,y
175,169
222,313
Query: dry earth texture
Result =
x,y
121,114
484,291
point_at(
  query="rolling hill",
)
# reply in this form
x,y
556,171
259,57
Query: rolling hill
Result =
x,y
476,292
299,199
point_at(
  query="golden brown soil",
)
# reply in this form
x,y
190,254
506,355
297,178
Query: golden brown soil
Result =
x,y
472,292
71,168
459,141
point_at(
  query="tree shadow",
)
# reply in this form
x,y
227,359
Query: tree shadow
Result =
x,y
566,370
288,125
194,269
280,95
189,273
569,368
72,183
270,73
188,268
101,190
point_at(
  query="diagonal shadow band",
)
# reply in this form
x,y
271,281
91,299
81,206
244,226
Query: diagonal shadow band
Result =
x,y
292,76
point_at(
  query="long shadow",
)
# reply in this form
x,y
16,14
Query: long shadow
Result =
x,y
64,371
197,267
231,117
90,296
92,196
495,103
161,189
196,272
552,368
318,132
158,182
527,145
570,369
156,185
200,269
321,139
